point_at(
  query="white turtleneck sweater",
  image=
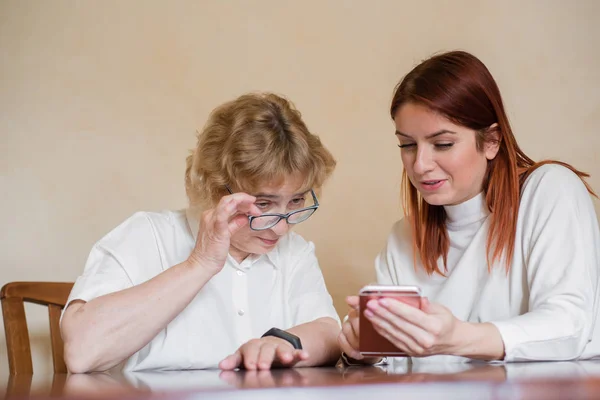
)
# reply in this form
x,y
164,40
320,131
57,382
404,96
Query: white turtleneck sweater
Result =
x,y
546,306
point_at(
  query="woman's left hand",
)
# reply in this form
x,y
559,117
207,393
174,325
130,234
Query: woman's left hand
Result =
x,y
262,354
418,332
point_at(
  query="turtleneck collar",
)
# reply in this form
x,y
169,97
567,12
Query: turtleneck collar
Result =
x,y
468,212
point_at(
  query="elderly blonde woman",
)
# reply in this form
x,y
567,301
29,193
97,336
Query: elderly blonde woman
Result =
x,y
224,283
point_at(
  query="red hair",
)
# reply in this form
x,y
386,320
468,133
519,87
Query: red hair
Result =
x,y
458,86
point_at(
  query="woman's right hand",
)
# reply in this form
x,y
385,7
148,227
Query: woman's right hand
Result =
x,y
216,228
348,337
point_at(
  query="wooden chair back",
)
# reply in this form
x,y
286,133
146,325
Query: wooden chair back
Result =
x,y
13,295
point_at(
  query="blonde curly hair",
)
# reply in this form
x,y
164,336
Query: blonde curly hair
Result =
x,y
256,138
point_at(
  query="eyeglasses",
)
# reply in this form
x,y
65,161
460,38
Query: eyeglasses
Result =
x,y
269,220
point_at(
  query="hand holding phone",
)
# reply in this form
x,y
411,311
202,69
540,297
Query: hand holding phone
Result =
x,y
371,343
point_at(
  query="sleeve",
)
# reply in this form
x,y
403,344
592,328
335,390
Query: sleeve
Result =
x,y
307,292
560,241
114,262
103,274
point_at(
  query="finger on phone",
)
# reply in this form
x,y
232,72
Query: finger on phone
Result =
x,y
355,325
349,335
425,304
347,348
352,301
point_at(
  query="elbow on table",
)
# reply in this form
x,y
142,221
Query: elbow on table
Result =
x,y
80,356
77,360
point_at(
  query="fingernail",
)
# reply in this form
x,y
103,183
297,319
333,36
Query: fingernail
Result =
x,y
372,304
384,302
369,313
264,366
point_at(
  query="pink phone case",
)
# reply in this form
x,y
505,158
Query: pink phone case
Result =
x,y
372,343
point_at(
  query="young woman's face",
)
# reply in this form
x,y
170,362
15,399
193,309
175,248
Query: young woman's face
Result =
x,y
440,158
280,198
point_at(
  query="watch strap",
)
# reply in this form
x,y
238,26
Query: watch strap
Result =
x,y
289,337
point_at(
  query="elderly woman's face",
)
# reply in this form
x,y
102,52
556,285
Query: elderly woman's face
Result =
x,y
278,198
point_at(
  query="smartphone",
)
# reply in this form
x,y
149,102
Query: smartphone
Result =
x,y
371,343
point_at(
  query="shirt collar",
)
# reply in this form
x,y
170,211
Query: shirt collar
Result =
x,y
192,215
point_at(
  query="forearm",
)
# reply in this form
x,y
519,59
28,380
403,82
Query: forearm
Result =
x,y
319,339
103,332
480,341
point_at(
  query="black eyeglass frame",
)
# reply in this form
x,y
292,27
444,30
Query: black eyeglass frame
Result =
x,y
282,216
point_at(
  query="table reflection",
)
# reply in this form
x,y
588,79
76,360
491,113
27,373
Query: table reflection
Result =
x,y
398,371
149,383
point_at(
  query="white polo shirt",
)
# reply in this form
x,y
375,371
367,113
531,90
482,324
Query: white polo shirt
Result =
x,y
283,288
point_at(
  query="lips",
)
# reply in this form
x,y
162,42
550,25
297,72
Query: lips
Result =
x,y
269,242
432,184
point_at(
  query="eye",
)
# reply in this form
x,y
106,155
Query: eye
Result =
x,y
406,145
444,146
262,205
296,203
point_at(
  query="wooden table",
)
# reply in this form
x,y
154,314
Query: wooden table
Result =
x,y
427,380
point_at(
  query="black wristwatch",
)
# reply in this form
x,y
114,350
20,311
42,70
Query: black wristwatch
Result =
x,y
293,339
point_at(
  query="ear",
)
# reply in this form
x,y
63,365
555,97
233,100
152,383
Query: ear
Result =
x,y
492,141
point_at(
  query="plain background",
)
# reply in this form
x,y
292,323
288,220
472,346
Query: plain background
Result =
x,y
100,102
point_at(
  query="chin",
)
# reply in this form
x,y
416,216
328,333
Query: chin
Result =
x,y
256,250
262,248
436,199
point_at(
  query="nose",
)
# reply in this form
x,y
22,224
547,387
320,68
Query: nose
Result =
x,y
281,228
423,162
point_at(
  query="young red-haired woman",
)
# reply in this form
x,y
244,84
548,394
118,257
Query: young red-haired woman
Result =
x,y
506,250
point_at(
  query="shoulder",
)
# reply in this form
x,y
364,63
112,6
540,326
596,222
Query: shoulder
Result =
x,y
396,254
553,184
400,236
144,226
399,246
141,243
553,176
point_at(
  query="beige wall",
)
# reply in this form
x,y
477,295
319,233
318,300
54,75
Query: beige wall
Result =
x,y
100,100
